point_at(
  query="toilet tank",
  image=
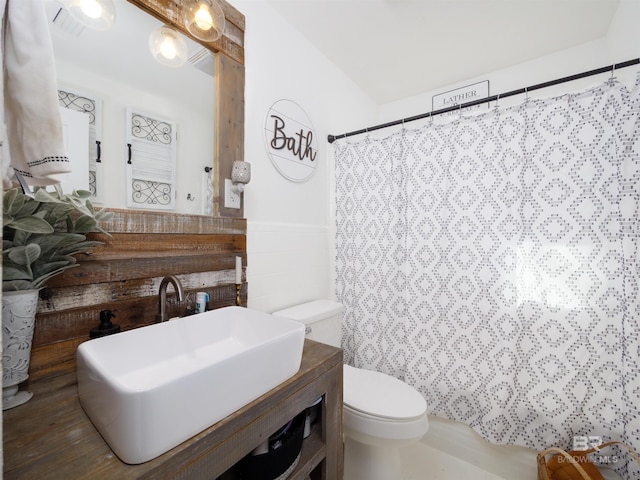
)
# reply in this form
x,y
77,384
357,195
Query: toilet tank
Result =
x,y
323,319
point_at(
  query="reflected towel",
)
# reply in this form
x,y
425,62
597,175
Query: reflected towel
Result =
x,y
31,111
207,195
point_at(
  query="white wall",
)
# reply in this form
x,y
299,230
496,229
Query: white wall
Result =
x,y
621,43
623,37
290,234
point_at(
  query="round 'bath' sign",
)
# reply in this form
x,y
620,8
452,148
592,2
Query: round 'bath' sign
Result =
x,y
291,141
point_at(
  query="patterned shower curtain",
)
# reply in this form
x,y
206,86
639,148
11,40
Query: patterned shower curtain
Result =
x,y
491,261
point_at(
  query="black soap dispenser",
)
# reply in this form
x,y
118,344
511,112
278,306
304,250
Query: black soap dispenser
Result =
x,y
105,327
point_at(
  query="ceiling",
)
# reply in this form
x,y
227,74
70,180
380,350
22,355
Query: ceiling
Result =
x,y
393,49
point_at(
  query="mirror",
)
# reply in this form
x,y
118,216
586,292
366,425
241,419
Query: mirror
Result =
x,y
115,70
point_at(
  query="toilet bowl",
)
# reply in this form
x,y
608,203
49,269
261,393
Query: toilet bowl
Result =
x,y
381,414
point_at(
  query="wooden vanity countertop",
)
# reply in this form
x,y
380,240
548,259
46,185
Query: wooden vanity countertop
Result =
x,y
51,437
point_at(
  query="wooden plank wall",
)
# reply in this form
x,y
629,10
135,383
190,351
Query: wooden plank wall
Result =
x,y
229,121
124,274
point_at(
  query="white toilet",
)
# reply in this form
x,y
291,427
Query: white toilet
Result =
x,y
381,413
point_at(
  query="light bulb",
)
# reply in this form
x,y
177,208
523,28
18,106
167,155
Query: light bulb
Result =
x,y
96,14
203,17
168,47
91,8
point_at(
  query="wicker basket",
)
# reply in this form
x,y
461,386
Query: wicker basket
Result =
x,y
574,465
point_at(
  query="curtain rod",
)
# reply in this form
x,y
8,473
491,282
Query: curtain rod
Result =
x,y
610,68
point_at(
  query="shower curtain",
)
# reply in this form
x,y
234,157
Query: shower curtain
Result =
x,y
491,261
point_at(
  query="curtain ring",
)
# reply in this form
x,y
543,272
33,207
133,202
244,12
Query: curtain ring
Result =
x,y
613,71
526,94
497,100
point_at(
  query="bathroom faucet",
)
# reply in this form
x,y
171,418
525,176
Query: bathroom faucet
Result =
x,y
162,315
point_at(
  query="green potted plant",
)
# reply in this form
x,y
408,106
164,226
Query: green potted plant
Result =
x,y
41,234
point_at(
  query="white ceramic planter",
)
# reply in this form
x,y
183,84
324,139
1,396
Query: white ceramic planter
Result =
x,y
18,318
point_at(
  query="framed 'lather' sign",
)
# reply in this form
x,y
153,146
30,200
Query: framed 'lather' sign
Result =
x,y
460,96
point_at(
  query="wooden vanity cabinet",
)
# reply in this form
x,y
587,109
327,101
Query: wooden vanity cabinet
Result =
x,y
51,437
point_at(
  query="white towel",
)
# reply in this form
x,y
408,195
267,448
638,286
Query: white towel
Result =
x,y
31,112
4,145
207,195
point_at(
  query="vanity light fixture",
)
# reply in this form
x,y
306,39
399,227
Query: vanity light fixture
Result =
x,y
240,175
168,47
95,14
204,19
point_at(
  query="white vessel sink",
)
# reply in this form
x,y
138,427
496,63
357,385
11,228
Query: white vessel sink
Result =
x,y
149,389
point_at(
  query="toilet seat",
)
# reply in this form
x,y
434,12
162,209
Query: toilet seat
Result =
x,y
378,395
379,431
